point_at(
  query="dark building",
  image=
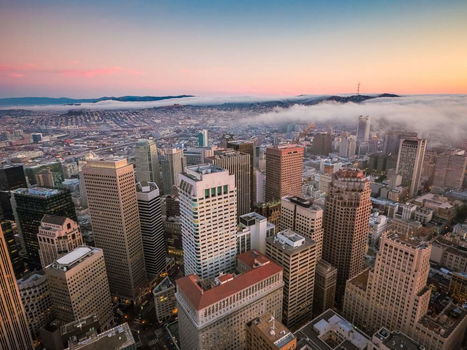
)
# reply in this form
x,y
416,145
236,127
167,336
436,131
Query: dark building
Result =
x,y
12,177
31,205
13,250
249,148
322,144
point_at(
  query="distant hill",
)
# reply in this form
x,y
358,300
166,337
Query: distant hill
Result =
x,y
33,101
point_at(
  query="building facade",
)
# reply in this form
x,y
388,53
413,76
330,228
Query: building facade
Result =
x,y
147,162
113,205
297,255
14,331
410,162
208,208
284,166
152,228
213,313
346,225
79,286
57,236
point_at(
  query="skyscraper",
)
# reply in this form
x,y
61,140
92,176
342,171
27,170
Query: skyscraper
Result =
x,y
79,286
363,128
284,166
172,165
410,162
213,313
12,178
203,138
450,170
249,148
346,225
152,228
304,218
395,294
14,332
31,204
113,205
322,144
237,164
208,207
297,255
253,229
147,162
57,236
13,248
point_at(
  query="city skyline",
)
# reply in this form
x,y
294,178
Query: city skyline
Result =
x,y
57,49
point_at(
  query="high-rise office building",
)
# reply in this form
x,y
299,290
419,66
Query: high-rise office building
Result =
x,y
348,147
450,170
253,229
147,162
203,138
12,178
284,166
213,313
164,300
297,255
118,338
35,295
363,128
79,286
395,294
271,211
410,162
13,247
31,204
172,165
57,236
346,225
304,218
208,206
237,164
152,228
45,178
249,148
267,333
325,287
113,205
322,144
14,332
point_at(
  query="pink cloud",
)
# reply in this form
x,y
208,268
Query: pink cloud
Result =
x,y
15,75
90,73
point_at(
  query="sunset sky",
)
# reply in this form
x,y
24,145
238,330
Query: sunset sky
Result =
x,y
96,48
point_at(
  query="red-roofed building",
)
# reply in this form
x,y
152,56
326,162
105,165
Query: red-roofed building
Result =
x,y
213,312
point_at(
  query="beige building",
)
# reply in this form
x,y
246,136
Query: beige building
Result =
x,y
410,162
172,165
35,295
79,286
14,332
394,294
346,225
284,168
450,170
213,313
112,201
267,333
57,236
297,255
306,219
238,164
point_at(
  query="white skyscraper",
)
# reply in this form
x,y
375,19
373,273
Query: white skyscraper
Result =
x,y
208,208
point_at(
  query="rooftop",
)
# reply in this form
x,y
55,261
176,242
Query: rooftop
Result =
x,y
397,340
166,283
196,172
360,280
273,330
74,257
202,293
116,338
290,241
53,219
331,331
41,192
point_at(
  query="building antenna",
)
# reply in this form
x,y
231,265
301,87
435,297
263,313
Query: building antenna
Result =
x,y
358,89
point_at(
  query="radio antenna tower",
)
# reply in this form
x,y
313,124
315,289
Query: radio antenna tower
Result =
x,y
358,89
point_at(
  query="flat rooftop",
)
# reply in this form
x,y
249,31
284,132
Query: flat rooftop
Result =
x,y
196,172
73,258
116,338
272,329
397,340
331,331
41,192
